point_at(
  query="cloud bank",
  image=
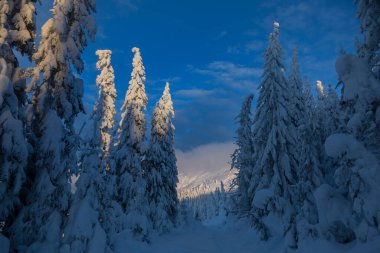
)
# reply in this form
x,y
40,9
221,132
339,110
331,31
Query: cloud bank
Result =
x,y
210,158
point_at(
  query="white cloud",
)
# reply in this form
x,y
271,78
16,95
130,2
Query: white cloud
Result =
x,y
254,46
230,74
221,35
194,92
209,158
131,5
164,80
233,49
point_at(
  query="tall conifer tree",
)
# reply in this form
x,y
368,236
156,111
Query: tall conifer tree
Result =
x,y
242,158
131,183
17,32
161,169
275,171
56,102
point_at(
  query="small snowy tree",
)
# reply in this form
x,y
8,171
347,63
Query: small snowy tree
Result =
x,y
56,102
104,110
242,158
275,172
160,166
131,185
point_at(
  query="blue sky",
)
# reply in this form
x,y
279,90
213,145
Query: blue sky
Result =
x,y
211,52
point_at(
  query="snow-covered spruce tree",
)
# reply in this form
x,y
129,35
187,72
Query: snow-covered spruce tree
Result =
x,y
369,49
327,121
160,166
17,29
84,230
361,96
320,118
56,102
357,173
309,172
332,110
13,151
274,177
112,214
357,152
104,110
320,112
242,158
131,184
91,216
295,85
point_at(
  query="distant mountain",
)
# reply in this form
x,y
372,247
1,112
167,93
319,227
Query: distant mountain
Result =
x,y
204,182
203,168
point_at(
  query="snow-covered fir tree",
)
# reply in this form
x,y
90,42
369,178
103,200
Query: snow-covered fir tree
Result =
x,y
332,110
18,25
56,102
320,89
160,166
320,113
92,218
17,31
320,118
84,230
131,183
295,85
104,110
369,49
356,151
361,97
13,150
309,172
275,172
243,156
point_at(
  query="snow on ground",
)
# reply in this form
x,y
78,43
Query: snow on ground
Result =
x,y
225,236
